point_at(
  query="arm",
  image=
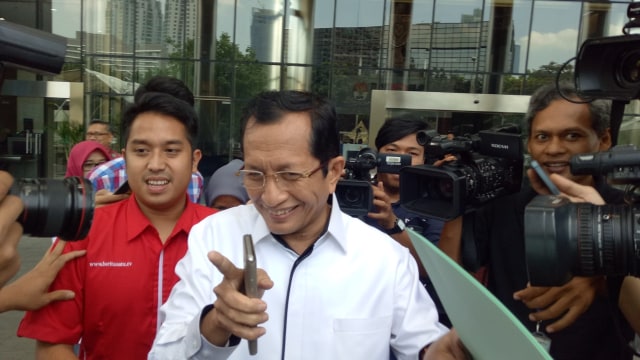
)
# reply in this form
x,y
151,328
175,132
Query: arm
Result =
x,y
573,298
47,351
10,229
629,301
234,312
104,197
448,347
451,239
386,218
566,302
31,291
187,309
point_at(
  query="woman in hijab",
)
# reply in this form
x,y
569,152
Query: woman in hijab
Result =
x,y
85,156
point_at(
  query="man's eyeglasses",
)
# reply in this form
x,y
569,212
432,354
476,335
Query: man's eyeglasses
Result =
x,y
96,134
254,180
89,165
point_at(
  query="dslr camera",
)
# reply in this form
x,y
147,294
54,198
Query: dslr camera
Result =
x,y
565,239
354,190
489,165
53,207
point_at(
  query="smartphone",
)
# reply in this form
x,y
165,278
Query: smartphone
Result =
x,y
123,189
545,178
250,279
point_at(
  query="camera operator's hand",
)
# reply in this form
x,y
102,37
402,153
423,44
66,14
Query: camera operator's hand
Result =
x,y
104,197
381,201
10,230
386,218
233,311
567,302
570,189
31,290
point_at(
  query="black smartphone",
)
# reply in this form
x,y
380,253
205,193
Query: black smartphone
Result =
x,y
545,178
123,189
250,279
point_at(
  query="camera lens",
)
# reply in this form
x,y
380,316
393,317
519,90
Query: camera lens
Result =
x,y
605,241
630,69
52,207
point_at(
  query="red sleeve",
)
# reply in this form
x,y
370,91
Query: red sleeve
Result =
x,y
60,322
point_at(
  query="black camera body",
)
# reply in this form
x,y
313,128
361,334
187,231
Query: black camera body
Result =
x,y
489,165
354,190
609,68
564,239
53,207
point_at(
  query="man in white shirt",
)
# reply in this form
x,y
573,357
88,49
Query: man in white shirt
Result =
x,y
331,287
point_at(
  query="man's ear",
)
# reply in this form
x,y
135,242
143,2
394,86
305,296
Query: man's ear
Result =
x,y
335,170
605,140
197,155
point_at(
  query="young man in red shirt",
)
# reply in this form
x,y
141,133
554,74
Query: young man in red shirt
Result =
x,y
133,245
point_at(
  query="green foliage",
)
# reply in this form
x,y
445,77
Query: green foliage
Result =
x,y
533,79
69,134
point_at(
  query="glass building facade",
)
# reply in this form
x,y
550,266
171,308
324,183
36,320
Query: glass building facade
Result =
x,y
226,51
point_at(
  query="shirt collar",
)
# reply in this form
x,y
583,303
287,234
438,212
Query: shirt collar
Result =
x,y
336,230
137,222
337,227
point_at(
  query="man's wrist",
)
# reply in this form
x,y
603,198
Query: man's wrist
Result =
x,y
398,227
211,332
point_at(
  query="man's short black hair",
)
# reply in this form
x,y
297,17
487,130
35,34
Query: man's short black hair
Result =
x,y
168,85
101,122
396,128
270,106
164,104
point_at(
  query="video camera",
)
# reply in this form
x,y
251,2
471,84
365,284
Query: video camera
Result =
x,y
52,207
489,165
354,190
609,67
31,49
564,239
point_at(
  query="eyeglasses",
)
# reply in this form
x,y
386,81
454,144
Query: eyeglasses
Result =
x,y
96,134
89,165
254,180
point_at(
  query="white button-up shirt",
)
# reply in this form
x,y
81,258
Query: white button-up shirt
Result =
x,y
356,296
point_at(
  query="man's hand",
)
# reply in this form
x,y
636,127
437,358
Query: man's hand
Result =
x,y
570,189
234,312
10,230
385,215
448,347
31,291
104,197
567,302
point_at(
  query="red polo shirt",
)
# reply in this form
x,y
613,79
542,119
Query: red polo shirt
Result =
x,y
118,284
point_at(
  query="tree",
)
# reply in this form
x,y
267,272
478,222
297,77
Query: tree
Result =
x,y
533,79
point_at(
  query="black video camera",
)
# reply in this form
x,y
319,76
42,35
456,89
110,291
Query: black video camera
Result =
x,y
489,165
609,68
564,239
354,190
62,208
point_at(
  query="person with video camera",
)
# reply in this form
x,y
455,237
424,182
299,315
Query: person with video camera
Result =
x,y
31,290
578,318
629,295
398,136
133,245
